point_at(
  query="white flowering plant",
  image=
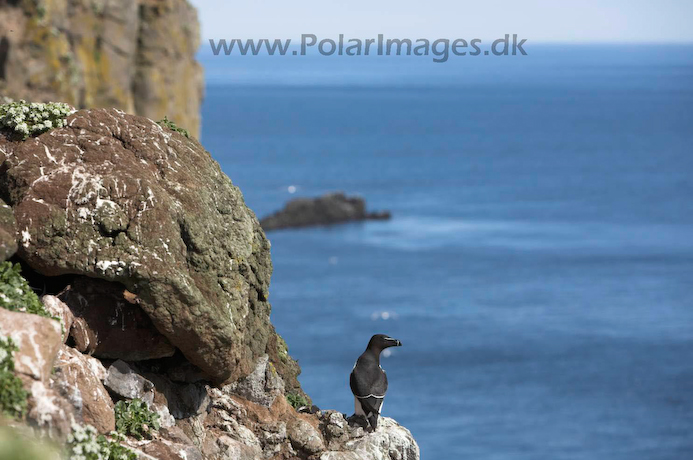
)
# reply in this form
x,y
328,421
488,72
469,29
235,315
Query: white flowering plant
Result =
x,y
84,443
33,118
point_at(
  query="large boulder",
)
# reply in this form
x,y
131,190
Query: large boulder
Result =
x,y
332,208
116,197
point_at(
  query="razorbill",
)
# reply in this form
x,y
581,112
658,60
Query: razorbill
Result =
x,y
368,381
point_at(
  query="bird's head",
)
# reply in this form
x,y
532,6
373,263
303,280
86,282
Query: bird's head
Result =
x,y
379,342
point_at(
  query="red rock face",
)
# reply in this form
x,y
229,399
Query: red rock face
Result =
x,y
38,340
77,378
59,310
116,197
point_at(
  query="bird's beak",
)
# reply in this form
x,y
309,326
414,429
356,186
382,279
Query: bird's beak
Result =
x,y
396,343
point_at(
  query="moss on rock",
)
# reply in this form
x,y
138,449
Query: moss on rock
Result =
x,y
13,397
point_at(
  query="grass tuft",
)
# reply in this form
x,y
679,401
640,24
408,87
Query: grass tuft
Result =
x,y
166,123
296,400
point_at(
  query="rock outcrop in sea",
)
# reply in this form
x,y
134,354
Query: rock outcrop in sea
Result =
x,y
329,209
154,280
135,55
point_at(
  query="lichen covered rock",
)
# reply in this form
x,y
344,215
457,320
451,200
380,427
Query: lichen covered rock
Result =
x,y
262,386
117,197
390,441
234,427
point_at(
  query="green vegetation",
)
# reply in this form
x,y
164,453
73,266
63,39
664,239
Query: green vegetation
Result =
x,y
41,12
282,349
33,118
166,123
16,294
84,444
133,418
12,393
296,400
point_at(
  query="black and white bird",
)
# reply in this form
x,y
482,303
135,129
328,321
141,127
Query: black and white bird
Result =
x,y
368,380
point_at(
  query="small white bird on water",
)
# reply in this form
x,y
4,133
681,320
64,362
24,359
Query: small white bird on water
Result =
x,y
368,380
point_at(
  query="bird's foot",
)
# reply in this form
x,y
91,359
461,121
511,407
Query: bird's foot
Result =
x,y
358,420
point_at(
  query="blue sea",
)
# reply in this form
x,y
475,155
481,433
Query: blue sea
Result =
x,y
539,264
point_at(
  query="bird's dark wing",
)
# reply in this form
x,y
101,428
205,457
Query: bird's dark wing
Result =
x,y
368,380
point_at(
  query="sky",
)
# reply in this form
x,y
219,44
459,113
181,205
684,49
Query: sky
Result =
x,y
559,21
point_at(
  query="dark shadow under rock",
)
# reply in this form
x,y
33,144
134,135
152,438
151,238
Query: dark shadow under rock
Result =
x,y
182,399
114,324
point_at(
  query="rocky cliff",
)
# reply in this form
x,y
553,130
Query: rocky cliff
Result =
x,y
154,318
135,55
